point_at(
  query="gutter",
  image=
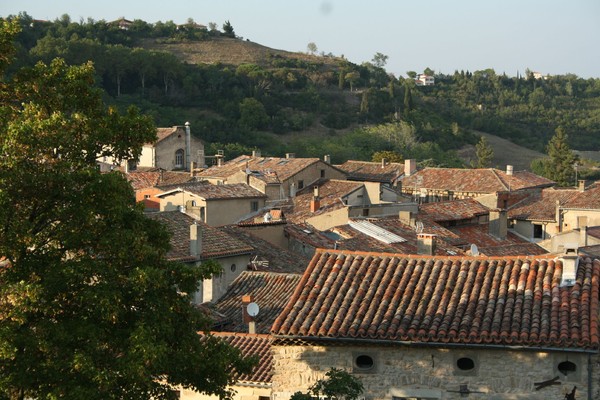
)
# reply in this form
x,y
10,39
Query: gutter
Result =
x,y
440,345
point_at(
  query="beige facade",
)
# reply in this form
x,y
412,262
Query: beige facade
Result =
x,y
215,212
436,373
169,153
213,288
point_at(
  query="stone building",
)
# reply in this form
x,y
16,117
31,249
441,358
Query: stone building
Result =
x,y
440,327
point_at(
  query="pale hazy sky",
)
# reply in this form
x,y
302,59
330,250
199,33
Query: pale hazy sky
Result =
x,y
548,36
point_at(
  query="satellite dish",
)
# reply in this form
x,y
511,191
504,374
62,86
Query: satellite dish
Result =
x,y
474,250
252,309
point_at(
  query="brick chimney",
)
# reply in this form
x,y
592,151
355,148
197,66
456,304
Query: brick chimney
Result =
x,y
315,203
195,240
426,244
410,167
498,226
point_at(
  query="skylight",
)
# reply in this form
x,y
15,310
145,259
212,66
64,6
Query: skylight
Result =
x,y
376,232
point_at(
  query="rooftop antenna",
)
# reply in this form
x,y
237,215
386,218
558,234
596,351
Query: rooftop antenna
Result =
x,y
419,227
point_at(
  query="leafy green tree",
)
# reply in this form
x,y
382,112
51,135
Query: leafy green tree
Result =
x,y
252,114
311,47
379,60
120,65
411,74
560,166
143,62
484,153
352,77
228,30
390,156
339,385
89,306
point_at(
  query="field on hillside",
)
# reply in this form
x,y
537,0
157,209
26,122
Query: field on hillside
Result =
x,y
505,153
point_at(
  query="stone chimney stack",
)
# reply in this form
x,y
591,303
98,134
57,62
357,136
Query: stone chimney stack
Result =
x,y
570,262
509,170
383,162
498,226
583,235
581,185
315,203
195,240
407,217
327,158
426,244
290,155
256,154
410,167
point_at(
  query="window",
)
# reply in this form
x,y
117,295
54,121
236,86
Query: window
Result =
x,y
538,231
179,158
300,184
567,367
146,196
254,206
233,267
365,212
364,363
322,173
466,365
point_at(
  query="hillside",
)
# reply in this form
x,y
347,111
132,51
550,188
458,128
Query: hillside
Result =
x,y
230,51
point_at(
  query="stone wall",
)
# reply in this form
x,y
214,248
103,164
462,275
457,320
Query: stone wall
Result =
x,y
434,373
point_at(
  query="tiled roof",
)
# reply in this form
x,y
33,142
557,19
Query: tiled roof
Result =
x,y
487,180
541,206
255,345
217,192
148,179
436,300
273,169
372,171
271,291
512,245
588,199
453,210
215,242
279,259
330,195
594,231
163,133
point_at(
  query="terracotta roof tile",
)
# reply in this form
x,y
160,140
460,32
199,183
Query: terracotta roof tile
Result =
x,y
148,179
208,191
541,206
279,259
473,180
271,169
512,245
271,291
255,345
454,210
372,171
330,195
464,300
587,199
215,242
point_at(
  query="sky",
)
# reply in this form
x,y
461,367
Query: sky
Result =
x,y
553,37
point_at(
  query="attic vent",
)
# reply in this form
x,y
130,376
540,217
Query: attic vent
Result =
x,y
376,232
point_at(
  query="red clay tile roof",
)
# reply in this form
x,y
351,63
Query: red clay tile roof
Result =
x,y
594,231
473,180
453,210
541,206
330,195
252,345
588,199
217,192
279,259
163,133
272,169
372,171
513,245
215,242
437,300
148,179
271,291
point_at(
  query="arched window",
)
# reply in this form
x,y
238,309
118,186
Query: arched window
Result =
x,y
179,158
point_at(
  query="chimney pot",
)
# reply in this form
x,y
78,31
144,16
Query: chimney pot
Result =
x,y
327,158
509,170
426,244
581,185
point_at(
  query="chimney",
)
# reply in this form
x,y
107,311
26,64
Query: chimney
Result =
x,y
192,167
498,225
406,217
570,262
246,318
583,236
188,144
558,216
195,240
509,170
290,155
327,158
383,162
292,189
425,244
410,167
219,161
126,167
315,203
581,185
255,153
